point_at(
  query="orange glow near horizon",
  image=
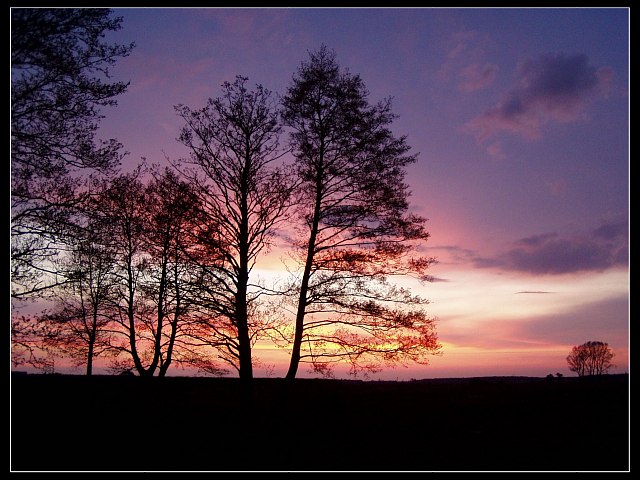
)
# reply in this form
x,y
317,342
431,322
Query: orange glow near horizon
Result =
x,y
489,321
487,324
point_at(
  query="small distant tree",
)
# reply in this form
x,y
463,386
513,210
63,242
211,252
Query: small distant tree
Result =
x,y
591,358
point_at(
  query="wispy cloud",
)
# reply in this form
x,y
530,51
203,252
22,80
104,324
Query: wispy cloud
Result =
x,y
456,255
605,320
551,87
437,279
465,64
477,76
496,151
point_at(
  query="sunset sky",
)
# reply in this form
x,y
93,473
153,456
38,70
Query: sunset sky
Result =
x,y
521,121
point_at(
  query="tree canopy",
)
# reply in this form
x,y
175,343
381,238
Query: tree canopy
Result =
x,y
355,227
60,80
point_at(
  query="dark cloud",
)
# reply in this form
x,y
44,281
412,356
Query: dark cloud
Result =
x,y
555,255
560,255
605,247
550,253
612,231
554,87
557,81
438,280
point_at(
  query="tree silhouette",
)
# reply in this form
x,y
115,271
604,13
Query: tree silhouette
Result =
x,y
59,81
145,226
590,358
172,210
81,318
31,340
357,231
233,143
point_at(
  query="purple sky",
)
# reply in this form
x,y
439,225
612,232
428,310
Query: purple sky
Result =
x,y
521,118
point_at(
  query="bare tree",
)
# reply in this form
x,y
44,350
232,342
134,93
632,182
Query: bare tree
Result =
x,y
146,225
121,214
357,230
234,149
173,214
59,81
81,317
590,358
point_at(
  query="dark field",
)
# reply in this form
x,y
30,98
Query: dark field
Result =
x,y
192,424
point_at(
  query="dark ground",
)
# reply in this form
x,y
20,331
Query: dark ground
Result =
x,y
115,423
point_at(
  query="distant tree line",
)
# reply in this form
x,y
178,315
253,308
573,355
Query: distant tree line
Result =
x,y
155,266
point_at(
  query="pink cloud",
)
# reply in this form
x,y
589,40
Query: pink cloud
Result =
x,y
477,76
557,187
551,87
465,63
496,151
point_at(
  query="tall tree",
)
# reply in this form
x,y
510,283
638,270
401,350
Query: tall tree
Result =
x,y
59,82
357,227
234,146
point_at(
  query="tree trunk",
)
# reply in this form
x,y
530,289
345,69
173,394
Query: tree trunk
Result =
x,y
90,357
172,339
244,341
160,312
302,304
143,372
176,316
304,285
92,334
